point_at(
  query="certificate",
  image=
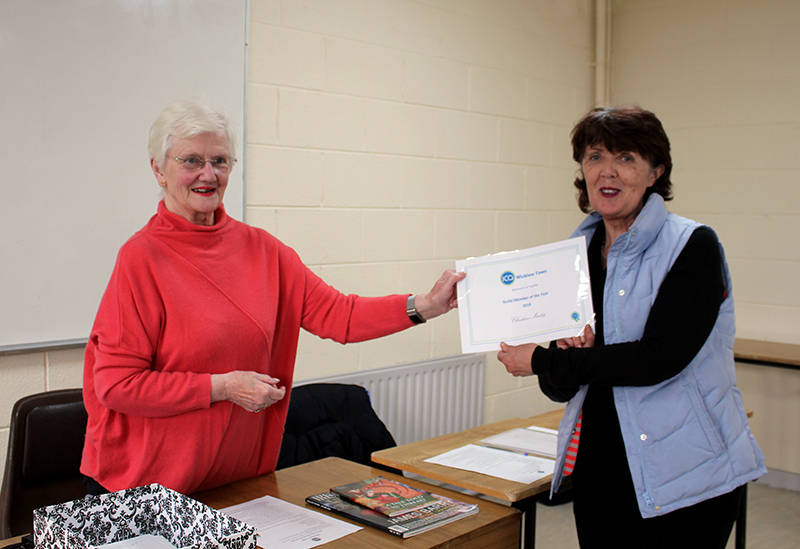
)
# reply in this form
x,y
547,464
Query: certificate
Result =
x,y
534,295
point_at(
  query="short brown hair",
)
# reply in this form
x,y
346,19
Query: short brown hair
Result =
x,y
627,128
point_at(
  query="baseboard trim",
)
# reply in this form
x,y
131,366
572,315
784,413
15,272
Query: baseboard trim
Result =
x,y
781,479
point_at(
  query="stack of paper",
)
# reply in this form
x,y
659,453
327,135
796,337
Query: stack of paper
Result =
x,y
532,440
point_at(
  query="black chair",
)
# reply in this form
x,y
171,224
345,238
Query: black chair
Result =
x,y
331,419
44,456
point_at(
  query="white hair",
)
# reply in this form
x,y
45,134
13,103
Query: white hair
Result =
x,y
185,119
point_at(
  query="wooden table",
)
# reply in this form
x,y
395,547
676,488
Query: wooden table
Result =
x,y
494,526
411,458
768,353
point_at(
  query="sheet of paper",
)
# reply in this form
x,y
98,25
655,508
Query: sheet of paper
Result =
x,y
534,295
530,440
288,525
140,542
496,463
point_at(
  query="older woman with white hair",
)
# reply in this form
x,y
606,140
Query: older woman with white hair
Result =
x,y
197,331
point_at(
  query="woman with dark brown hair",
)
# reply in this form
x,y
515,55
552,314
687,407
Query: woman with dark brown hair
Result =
x,y
654,436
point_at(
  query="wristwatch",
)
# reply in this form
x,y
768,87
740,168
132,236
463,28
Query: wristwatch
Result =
x,y
411,309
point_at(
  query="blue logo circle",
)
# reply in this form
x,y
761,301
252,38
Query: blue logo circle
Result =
x,y
507,278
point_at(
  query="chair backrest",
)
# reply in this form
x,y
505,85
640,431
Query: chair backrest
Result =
x,y
331,419
44,456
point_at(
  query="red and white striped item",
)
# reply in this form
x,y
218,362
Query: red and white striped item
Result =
x,y
572,449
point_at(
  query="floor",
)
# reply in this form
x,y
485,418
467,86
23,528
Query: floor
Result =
x,y
773,521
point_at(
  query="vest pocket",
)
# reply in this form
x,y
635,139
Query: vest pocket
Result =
x,y
704,418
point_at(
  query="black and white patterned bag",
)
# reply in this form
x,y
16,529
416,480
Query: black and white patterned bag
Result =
x,y
154,509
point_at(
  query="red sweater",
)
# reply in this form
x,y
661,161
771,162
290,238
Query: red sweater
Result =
x,y
184,302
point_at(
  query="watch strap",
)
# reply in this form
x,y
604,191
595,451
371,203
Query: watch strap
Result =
x,y
411,310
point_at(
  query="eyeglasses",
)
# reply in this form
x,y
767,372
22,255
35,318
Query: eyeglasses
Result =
x,y
221,164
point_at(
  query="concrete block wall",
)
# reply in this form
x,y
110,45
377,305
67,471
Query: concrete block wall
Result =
x,y
387,139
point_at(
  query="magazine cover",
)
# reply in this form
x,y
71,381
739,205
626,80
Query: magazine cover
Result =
x,y
442,511
385,496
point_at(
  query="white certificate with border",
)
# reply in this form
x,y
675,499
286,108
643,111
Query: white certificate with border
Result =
x,y
528,296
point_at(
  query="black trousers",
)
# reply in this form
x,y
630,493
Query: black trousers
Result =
x,y
607,515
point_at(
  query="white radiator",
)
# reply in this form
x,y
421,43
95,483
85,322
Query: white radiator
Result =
x,y
422,399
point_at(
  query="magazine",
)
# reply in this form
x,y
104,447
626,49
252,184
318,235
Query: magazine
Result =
x,y
442,511
385,496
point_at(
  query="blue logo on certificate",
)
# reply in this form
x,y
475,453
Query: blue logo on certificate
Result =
x,y
507,278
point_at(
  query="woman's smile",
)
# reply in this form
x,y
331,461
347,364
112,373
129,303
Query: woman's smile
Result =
x,y
195,176
616,183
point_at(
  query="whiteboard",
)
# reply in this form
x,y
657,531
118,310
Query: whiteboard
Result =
x,y
81,82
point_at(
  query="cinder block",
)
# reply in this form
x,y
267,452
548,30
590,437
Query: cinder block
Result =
x,y
417,277
468,40
286,57
446,335
742,236
342,18
435,183
398,235
278,176
363,70
466,136
496,186
322,236
399,129
411,345
753,321
262,115
320,121
360,180
65,369
782,323
772,100
524,142
757,20
263,218
436,82
676,25
550,189
566,58
521,230
20,375
365,279
497,92
562,224
562,146
405,26
550,102
317,357
462,234
267,12
523,402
